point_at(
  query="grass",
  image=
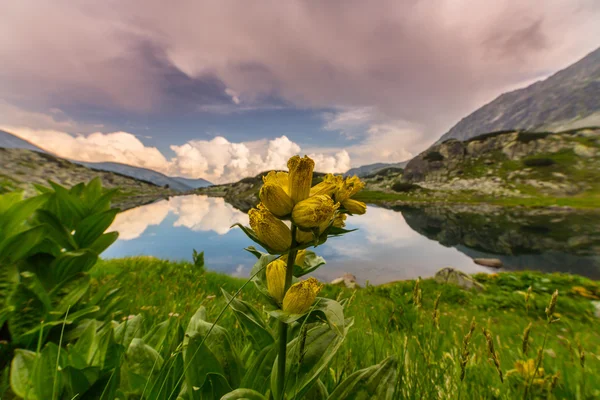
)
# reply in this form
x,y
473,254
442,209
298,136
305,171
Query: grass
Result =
x,y
387,322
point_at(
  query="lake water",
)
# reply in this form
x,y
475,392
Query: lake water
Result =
x,y
389,245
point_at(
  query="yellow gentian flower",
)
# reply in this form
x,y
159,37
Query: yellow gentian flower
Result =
x,y
274,197
355,206
300,177
340,220
299,257
301,296
303,237
314,211
276,279
269,229
279,178
328,186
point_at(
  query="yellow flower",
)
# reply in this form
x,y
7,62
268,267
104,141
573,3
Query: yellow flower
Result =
x,y
346,190
328,186
299,257
355,206
274,197
300,177
278,178
340,220
527,368
270,230
301,296
276,279
314,211
303,237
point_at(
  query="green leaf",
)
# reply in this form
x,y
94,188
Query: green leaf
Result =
x,y
258,374
128,330
243,394
69,209
104,242
252,236
77,189
209,353
142,363
9,278
324,308
7,200
92,192
252,250
90,228
31,282
19,245
14,217
71,263
165,337
29,316
307,357
46,378
375,382
167,381
57,231
21,374
67,294
252,321
78,381
103,202
311,262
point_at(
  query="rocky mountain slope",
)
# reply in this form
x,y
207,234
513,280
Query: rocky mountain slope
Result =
x,y
568,99
21,168
513,163
372,169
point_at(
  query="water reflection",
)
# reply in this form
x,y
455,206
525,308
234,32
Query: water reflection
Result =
x,y
388,245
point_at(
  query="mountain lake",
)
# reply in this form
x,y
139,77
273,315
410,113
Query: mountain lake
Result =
x,y
388,245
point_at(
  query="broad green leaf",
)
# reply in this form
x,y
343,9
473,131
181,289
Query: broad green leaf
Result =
x,y
103,202
375,382
78,381
71,263
92,192
167,381
21,374
31,282
131,328
29,316
21,244
165,337
258,374
215,387
327,309
68,293
252,321
57,231
91,227
104,242
243,394
47,379
9,278
318,391
7,200
68,208
307,357
142,363
14,217
77,189
209,353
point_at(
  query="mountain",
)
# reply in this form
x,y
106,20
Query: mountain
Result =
x,y
143,174
22,167
373,168
10,141
193,183
568,99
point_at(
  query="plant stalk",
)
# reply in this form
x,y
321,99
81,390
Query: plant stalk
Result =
x,y
283,328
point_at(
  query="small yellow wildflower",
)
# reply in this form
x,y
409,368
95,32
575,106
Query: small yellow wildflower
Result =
x,y
314,211
300,177
340,220
355,207
270,230
276,279
301,296
527,370
346,190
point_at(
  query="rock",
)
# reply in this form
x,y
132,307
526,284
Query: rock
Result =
x,y
584,151
453,276
488,262
347,280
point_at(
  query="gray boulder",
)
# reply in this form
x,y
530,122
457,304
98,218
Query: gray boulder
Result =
x,y
453,276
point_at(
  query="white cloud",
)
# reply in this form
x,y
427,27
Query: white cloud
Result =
x,y
132,223
217,160
235,97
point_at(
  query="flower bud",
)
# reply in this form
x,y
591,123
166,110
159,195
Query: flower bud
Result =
x,y
278,178
276,199
340,220
299,256
328,186
314,211
270,230
276,279
300,177
301,296
303,237
355,206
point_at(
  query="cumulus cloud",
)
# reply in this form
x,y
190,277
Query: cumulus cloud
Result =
x,y
217,160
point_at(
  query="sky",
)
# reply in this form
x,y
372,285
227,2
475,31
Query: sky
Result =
x,y
226,89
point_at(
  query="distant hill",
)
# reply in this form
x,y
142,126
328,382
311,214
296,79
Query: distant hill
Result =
x,y
21,168
373,168
193,183
568,99
10,141
139,173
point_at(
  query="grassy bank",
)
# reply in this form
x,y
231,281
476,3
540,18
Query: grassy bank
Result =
x,y
588,201
388,322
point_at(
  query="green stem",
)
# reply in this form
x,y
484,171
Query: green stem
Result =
x,y
283,328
